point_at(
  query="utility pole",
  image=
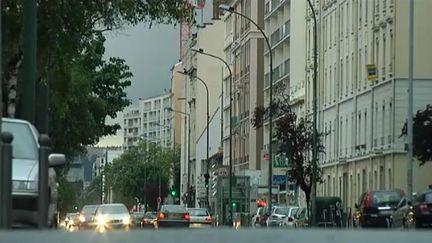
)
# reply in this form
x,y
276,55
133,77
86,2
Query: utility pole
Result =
x,y
410,100
27,86
314,119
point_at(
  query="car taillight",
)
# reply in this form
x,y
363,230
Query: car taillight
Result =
x,y
161,216
290,219
424,207
186,216
368,199
209,218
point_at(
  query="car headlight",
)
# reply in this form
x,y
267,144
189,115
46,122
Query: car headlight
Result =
x,y
127,220
20,185
101,220
82,218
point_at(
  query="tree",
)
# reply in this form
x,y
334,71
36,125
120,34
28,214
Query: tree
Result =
x,y
138,171
422,131
84,88
294,136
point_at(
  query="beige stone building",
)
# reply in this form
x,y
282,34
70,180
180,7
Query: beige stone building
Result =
x,y
362,119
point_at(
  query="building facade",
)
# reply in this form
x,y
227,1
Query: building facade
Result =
x,y
361,116
150,121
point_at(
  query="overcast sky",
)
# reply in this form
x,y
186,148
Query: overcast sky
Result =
x,y
150,54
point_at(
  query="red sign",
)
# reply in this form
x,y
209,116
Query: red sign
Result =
x,y
266,156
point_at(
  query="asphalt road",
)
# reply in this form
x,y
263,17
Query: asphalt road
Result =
x,y
218,236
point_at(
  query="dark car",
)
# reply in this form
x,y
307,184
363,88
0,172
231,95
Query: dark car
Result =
x,y
375,208
137,218
422,209
173,216
87,217
149,220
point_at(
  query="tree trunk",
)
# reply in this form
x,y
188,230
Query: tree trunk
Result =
x,y
307,194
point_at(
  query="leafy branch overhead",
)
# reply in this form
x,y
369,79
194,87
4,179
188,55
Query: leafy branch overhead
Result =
x,y
85,87
422,131
294,139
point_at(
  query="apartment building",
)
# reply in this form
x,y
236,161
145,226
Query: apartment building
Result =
x,y
149,121
361,116
284,25
244,50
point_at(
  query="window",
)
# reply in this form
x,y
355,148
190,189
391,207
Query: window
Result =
x,y
389,178
382,178
364,182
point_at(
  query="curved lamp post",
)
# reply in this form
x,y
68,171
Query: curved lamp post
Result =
x,y
202,52
230,9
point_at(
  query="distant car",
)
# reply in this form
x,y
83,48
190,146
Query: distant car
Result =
x,y
200,217
301,219
149,220
375,208
71,220
112,216
278,214
137,218
87,217
25,166
173,216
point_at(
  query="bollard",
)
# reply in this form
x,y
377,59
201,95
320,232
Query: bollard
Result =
x,y
43,199
6,180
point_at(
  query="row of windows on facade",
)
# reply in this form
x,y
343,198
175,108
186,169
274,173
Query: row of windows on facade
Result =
x,y
350,190
343,138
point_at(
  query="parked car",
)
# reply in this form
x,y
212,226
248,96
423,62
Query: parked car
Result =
x,y
200,217
173,216
25,168
260,217
422,209
112,216
71,220
375,208
402,214
278,214
87,217
301,218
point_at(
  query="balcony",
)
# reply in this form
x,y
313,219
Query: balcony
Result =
x,y
279,36
272,6
279,73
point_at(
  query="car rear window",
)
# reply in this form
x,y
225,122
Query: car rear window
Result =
x,y
150,215
282,211
382,198
428,197
112,209
173,209
198,212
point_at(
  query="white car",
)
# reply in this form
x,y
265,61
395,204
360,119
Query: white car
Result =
x,y
279,214
25,166
112,216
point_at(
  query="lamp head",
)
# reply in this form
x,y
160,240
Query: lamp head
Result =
x,y
200,50
225,7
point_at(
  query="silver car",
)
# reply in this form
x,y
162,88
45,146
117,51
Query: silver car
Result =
x,y
112,216
278,215
199,217
25,165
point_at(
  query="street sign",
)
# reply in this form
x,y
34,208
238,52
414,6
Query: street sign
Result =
x,y
372,71
280,161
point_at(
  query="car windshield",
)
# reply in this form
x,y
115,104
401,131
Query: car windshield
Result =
x,y
383,198
23,143
428,197
198,212
89,209
282,211
173,209
112,209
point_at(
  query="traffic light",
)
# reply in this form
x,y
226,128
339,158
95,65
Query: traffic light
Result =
x,y
173,191
234,204
206,180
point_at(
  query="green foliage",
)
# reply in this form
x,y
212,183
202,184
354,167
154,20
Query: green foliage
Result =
x,y
84,88
67,194
294,136
136,173
422,131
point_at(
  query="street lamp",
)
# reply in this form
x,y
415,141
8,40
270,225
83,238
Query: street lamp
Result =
x,y
188,143
202,52
184,72
230,9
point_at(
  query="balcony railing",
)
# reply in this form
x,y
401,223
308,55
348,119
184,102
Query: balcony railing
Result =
x,y
280,34
279,72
